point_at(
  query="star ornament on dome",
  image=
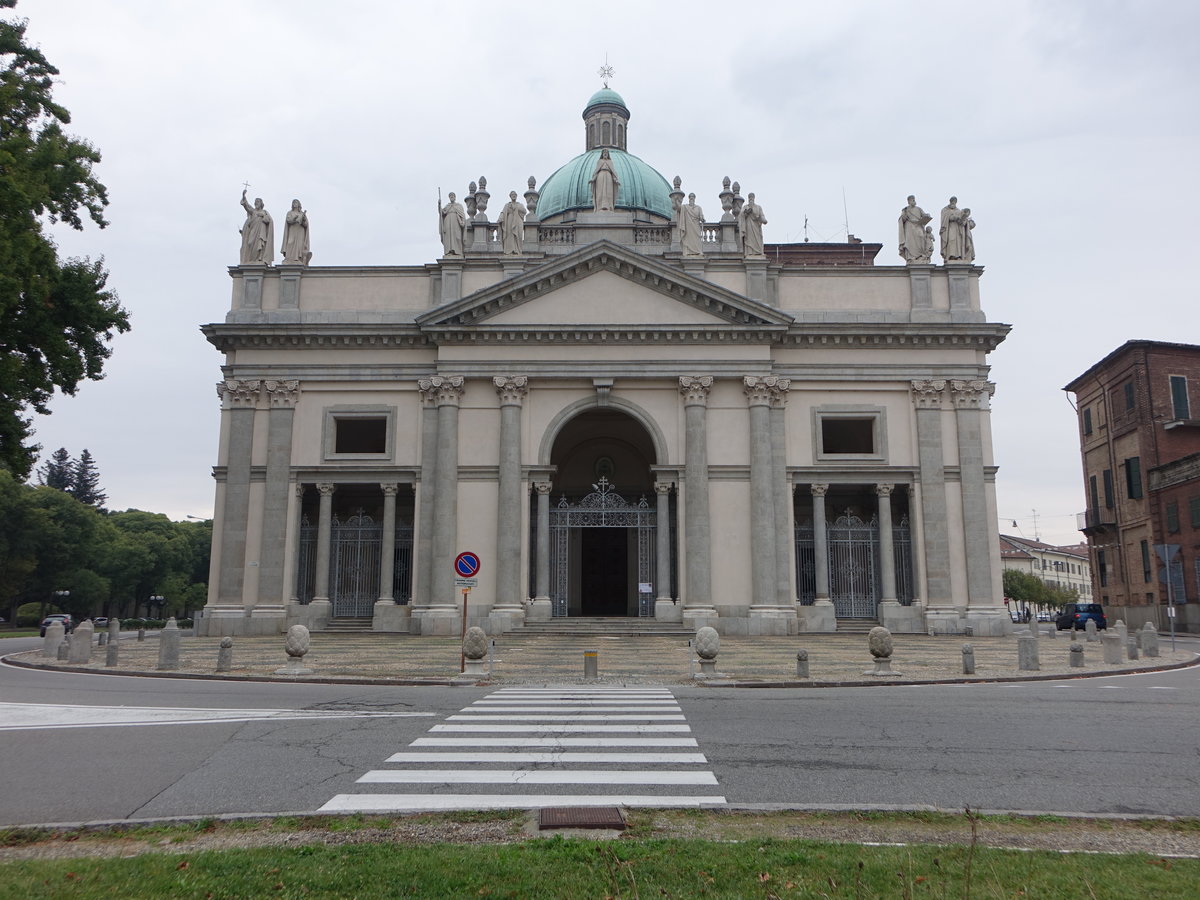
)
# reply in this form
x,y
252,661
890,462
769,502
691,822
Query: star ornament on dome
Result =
x,y
605,72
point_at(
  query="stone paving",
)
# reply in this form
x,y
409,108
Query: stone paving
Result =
x,y
528,658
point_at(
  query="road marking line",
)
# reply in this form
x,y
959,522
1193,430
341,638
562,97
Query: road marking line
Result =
x,y
564,729
553,742
532,776
589,705
563,756
504,717
34,716
434,802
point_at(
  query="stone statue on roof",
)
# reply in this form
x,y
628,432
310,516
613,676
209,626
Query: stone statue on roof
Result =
x,y
691,228
452,225
512,225
604,184
914,246
953,233
258,234
295,249
751,220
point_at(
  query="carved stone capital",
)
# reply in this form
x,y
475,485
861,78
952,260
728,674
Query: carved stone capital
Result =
x,y
543,487
239,393
389,488
779,395
928,394
282,393
325,489
971,394
300,491
441,390
884,490
759,389
511,389
662,487
695,388
819,490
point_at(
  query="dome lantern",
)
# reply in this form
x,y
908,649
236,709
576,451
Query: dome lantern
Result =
x,y
605,120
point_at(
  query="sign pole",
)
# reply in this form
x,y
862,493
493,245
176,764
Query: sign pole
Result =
x,y
462,661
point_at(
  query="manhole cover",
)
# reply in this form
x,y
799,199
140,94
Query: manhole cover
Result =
x,y
580,817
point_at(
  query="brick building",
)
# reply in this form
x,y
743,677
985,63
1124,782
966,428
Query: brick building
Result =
x,y
1140,441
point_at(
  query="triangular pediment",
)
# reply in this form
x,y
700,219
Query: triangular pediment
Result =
x,y
604,284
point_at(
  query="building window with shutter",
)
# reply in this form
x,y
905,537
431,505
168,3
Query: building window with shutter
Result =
x,y
1145,560
1194,511
1108,489
1173,517
1133,478
1102,569
1087,421
1179,397
1129,398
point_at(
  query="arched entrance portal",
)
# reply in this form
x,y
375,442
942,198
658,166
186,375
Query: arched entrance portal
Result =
x,y
602,517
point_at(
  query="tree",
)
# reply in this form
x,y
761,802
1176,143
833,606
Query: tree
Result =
x,y
85,482
56,317
56,472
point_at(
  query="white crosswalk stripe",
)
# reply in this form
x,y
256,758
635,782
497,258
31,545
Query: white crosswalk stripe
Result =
x,y
551,736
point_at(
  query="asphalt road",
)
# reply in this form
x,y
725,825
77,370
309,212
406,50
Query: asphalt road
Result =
x,y
81,747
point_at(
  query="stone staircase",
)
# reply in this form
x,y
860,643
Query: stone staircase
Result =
x,y
348,625
585,626
855,626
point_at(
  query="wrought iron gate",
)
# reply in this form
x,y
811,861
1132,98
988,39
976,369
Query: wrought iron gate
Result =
x,y
603,508
855,583
354,562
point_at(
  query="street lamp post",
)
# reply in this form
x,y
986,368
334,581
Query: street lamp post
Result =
x,y
58,595
156,601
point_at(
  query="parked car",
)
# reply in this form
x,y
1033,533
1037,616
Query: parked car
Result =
x,y
1076,615
68,623
100,622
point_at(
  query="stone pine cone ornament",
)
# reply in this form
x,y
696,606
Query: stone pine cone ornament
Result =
x,y
879,641
707,643
475,643
298,641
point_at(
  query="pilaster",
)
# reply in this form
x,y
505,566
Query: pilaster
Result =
x,y
282,397
443,605
240,400
759,391
697,598
422,577
508,611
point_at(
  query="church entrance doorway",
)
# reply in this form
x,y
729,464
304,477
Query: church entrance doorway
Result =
x,y
602,526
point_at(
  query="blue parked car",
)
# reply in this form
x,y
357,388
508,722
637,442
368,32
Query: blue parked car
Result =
x,y
1076,615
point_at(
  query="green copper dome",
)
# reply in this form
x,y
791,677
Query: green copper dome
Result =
x,y
641,187
605,95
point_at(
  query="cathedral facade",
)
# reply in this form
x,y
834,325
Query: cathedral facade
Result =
x,y
620,407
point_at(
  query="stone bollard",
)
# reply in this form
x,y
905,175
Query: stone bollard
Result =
x,y
879,642
168,645
102,639
1089,631
1149,637
1034,631
297,644
1121,630
802,664
111,651
1076,655
81,643
1027,654
707,644
225,655
1131,646
968,656
591,663
475,648
52,640
1052,632
64,651
1111,646
142,633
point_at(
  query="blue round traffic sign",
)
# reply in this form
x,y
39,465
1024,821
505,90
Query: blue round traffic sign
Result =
x,y
466,564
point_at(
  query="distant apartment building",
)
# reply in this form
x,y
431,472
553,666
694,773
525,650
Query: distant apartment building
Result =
x,y
1061,567
1139,434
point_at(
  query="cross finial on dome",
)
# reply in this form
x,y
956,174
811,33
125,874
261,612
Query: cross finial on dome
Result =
x,y
605,71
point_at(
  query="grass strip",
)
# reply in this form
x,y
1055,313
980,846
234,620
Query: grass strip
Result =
x,y
624,868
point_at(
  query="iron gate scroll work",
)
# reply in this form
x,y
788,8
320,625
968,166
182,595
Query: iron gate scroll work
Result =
x,y
354,570
855,582
602,508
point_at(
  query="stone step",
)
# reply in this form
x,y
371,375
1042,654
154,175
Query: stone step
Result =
x,y
357,624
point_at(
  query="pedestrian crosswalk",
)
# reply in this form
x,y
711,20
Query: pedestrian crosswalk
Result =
x,y
501,750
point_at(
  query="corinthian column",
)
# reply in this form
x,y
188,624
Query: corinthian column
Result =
x,y
445,509
758,393
423,577
970,399
282,395
887,552
785,539
664,606
240,400
321,606
698,607
540,609
820,542
511,391
927,397
387,549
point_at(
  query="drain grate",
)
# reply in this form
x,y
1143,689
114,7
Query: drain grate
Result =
x,y
580,817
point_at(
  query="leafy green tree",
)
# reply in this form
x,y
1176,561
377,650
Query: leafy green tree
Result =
x,y
56,472
85,482
21,525
56,317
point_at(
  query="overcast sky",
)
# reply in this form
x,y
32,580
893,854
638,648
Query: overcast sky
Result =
x,y
1069,127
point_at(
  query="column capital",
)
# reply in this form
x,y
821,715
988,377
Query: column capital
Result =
x,y
444,390
543,487
238,393
695,388
511,389
282,393
662,487
884,490
299,490
928,394
326,489
779,394
819,490
971,394
759,389
389,488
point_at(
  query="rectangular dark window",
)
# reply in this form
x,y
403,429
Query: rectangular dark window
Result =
x,y
848,435
1108,489
360,435
1102,569
1087,420
1179,397
1133,478
1173,517
1093,497
1129,401
1194,511
1145,560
